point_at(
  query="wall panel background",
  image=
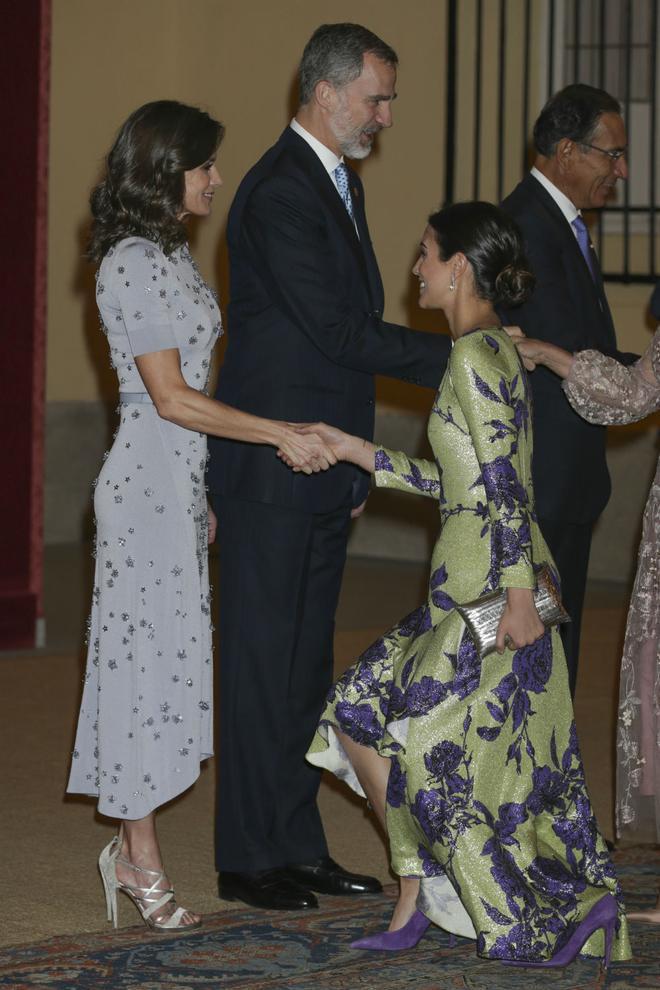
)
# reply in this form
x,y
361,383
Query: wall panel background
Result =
x,y
238,60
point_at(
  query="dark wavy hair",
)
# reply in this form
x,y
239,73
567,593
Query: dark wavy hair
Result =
x,y
572,113
143,187
492,243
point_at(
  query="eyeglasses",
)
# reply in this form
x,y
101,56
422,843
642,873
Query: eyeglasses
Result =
x,y
615,153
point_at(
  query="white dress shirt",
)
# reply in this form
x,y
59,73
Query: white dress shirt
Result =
x,y
327,158
569,210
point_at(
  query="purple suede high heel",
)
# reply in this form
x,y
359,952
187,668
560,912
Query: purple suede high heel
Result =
x,y
403,938
602,915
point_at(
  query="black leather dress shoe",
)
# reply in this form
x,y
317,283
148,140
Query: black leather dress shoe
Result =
x,y
273,889
328,877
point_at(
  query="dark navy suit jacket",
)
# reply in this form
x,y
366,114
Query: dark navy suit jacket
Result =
x,y
568,308
305,327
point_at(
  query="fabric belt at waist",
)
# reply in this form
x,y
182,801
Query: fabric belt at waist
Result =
x,y
136,397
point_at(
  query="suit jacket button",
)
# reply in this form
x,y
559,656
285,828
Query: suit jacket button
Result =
x,y
376,312
370,402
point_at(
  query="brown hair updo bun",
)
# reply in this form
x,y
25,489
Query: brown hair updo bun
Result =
x,y
493,245
514,285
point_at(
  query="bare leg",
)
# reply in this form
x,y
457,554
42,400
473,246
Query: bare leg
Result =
x,y
373,771
139,846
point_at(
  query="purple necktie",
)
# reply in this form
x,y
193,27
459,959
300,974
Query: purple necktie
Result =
x,y
584,241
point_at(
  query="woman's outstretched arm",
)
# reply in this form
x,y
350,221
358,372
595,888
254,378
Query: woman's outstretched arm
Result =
x,y
390,468
177,402
600,388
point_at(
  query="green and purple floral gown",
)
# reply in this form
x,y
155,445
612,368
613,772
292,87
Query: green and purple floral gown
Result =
x,y
486,801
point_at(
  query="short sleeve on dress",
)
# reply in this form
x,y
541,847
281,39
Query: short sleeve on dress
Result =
x,y
143,284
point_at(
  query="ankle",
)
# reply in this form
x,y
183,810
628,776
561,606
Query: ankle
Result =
x,y
408,892
146,856
409,886
403,912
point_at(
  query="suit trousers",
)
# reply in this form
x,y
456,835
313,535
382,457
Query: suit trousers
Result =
x,y
570,544
280,576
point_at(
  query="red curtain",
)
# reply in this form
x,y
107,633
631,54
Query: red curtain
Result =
x,y
24,79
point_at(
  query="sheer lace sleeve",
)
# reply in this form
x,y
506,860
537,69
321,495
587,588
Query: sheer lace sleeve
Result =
x,y
603,391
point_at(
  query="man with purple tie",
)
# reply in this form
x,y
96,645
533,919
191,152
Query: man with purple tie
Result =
x,y
580,140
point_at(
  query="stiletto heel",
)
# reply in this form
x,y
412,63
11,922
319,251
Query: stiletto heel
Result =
x,y
109,877
602,915
403,938
609,938
148,900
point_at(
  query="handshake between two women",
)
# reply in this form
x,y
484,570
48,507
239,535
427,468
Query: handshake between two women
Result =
x,y
314,447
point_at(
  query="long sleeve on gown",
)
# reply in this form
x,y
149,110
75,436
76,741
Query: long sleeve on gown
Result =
x,y
603,391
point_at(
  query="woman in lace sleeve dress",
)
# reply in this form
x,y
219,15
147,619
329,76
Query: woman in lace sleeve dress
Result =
x,y
145,720
604,391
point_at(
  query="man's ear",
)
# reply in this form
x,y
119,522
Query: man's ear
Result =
x,y
565,153
325,94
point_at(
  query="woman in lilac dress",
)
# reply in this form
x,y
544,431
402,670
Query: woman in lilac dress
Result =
x,y
145,720
604,391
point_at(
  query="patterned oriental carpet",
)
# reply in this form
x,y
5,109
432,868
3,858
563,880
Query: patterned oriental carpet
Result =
x,y
310,951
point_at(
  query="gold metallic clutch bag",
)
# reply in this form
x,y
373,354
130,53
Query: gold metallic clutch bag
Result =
x,y
482,616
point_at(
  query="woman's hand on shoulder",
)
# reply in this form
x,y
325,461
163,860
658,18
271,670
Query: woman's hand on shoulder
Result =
x,y
534,352
530,350
520,624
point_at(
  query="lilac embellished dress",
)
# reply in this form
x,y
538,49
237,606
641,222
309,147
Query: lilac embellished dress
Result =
x,y
145,720
604,391
486,801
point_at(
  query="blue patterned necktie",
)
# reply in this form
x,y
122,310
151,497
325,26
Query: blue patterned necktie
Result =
x,y
341,178
584,242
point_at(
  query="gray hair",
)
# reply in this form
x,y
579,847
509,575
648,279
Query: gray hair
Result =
x,y
335,52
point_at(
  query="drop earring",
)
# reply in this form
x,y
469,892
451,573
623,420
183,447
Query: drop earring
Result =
x,y
452,282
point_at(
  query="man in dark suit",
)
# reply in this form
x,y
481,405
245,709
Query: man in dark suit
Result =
x,y
306,337
580,141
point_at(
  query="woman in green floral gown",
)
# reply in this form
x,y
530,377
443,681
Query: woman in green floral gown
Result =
x,y
473,764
